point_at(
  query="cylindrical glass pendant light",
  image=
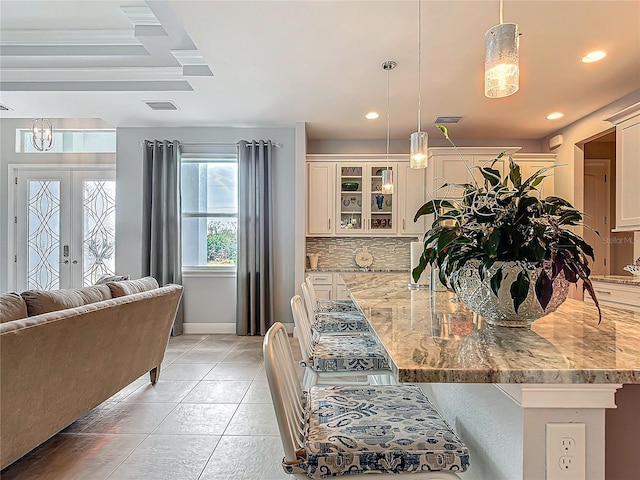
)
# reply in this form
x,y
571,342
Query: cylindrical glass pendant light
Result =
x,y
501,62
42,134
419,141
387,174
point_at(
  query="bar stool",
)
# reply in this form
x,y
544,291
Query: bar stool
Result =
x,y
356,430
330,323
335,359
329,306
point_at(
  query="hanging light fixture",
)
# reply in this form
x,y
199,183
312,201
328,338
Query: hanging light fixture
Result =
x,y
42,134
419,154
387,174
501,61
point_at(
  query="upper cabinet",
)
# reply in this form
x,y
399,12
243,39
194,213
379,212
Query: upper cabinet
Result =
x,y
530,163
362,207
627,124
320,198
460,167
345,198
412,194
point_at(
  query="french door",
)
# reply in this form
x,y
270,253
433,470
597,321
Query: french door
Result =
x,y
64,235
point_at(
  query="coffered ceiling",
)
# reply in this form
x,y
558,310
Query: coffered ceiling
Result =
x,y
274,63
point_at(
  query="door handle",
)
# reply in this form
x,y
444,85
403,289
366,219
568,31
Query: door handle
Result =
x,y
66,262
75,262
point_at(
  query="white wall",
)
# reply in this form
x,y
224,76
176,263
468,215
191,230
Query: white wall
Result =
x,y
208,299
571,155
8,156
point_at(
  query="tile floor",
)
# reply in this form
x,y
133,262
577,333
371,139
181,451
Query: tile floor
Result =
x,y
209,417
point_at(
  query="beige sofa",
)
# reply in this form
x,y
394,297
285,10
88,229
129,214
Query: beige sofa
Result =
x,y
63,353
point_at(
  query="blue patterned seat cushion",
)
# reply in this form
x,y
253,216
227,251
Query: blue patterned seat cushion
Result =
x,y
340,353
331,306
387,429
340,322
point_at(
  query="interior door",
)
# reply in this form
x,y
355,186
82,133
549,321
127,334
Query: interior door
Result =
x,y
596,213
64,227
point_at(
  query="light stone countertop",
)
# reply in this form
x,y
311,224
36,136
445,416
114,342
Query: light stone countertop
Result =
x,y
429,338
357,270
619,279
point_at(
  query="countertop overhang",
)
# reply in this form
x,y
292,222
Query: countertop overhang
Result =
x,y
430,337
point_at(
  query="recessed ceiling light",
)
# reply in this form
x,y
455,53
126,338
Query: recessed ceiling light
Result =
x,y
372,115
594,56
555,116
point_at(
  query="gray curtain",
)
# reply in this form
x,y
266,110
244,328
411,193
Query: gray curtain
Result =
x,y
254,313
161,221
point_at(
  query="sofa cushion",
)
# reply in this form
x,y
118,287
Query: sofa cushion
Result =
x,y
111,278
12,307
128,287
44,301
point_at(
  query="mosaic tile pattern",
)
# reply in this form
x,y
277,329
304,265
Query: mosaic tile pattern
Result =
x,y
339,253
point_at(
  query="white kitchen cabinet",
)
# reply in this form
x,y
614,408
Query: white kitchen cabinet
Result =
x,y
329,286
341,290
333,210
451,167
323,285
530,163
321,198
615,294
412,194
627,124
362,207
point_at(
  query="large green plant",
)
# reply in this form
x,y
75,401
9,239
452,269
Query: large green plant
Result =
x,y
500,221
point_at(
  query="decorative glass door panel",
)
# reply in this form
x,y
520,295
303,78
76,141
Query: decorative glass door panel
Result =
x,y
64,227
99,220
350,183
43,235
381,204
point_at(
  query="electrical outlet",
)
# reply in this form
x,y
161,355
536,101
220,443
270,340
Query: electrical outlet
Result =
x,y
566,447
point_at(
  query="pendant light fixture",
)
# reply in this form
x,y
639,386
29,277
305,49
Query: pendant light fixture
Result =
x,y
387,174
42,134
501,61
419,154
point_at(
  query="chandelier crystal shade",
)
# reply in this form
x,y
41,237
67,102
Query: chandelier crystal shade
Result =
x,y
387,173
501,61
42,134
419,141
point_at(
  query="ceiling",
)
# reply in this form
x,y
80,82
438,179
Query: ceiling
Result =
x,y
275,63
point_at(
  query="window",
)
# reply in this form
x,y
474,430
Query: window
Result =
x,y
209,211
70,141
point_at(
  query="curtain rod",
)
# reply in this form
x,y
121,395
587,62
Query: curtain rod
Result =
x,y
215,144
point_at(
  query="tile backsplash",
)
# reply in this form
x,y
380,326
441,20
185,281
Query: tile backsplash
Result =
x,y
339,253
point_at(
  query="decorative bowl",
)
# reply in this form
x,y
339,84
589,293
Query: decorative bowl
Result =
x,y
350,186
633,269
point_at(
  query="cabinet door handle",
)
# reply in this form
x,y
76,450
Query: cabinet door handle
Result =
x,y
403,224
329,224
603,292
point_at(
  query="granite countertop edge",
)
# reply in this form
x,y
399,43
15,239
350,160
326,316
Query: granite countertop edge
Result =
x,y
355,270
617,279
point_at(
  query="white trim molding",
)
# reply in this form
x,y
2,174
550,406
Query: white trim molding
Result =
x,y
561,395
217,328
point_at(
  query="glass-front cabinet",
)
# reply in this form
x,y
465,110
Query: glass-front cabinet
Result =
x,y
362,207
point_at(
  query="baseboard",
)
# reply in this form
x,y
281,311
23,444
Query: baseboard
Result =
x,y
216,328
208,328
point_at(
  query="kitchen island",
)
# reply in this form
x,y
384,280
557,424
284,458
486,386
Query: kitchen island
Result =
x,y
500,387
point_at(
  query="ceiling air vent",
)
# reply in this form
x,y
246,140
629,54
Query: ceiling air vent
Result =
x,y
447,119
3,108
161,105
